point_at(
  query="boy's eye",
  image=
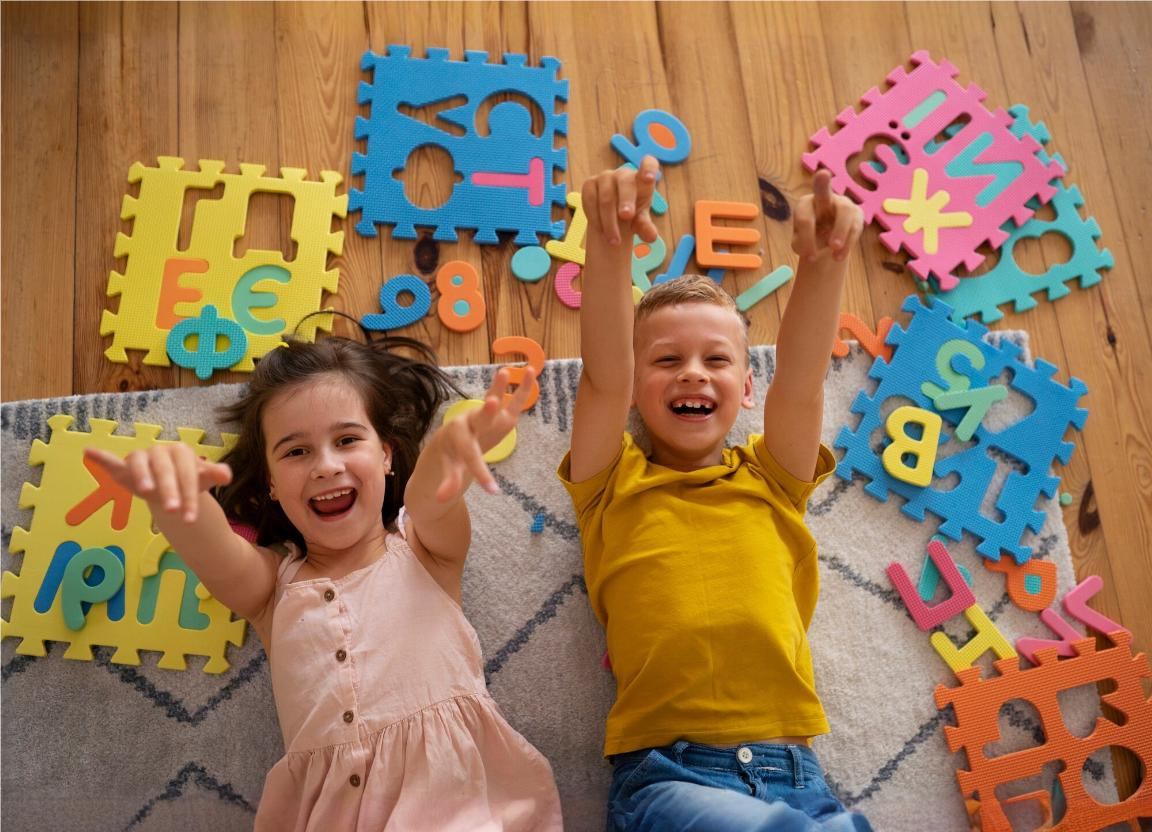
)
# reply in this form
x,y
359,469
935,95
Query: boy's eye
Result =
x,y
720,359
666,359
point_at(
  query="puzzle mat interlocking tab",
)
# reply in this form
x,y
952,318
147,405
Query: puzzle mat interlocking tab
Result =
x,y
1032,442
908,116
217,225
509,152
1007,282
64,484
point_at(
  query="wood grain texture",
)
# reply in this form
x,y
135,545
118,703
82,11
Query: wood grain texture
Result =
x,y
39,146
88,89
128,66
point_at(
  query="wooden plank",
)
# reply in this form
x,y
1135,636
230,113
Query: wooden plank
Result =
x,y
702,39
863,42
612,79
790,96
229,109
513,306
39,147
127,113
318,50
420,27
1106,341
1113,43
1105,334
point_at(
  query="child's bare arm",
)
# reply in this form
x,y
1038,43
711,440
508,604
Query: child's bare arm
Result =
x,y
451,460
174,482
617,205
825,228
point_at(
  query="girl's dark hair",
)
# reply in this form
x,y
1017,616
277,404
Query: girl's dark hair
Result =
x,y
401,396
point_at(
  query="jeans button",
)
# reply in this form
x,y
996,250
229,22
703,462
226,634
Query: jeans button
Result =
x,y
744,754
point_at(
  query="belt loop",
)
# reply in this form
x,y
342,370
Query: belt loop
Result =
x,y
797,767
678,750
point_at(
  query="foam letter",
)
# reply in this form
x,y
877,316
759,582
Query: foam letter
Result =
x,y
987,638
924,448
708,235
927,617
172,293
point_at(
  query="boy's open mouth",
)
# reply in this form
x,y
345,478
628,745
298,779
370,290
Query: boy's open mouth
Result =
x,y
333,502
693,406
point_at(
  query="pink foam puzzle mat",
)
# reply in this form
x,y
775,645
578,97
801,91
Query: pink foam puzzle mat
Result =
x,y
951,172
1007,282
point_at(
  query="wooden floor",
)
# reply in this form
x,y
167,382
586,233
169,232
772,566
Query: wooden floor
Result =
x,y
90,88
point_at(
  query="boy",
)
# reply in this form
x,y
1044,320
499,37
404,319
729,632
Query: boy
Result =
x,y
697,559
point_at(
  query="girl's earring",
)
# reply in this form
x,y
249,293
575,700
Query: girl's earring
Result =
x,y
272,494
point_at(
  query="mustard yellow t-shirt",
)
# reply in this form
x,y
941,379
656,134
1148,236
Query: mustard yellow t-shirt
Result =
x,y
705,582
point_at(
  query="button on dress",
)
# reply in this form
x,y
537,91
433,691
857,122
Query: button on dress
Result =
x,y
387,721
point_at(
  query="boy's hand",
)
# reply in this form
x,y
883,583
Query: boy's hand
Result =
x,y
168,476
618,203
825,225
469,437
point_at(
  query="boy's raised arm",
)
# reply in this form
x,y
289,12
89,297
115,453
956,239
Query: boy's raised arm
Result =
x,y
617,206
825,228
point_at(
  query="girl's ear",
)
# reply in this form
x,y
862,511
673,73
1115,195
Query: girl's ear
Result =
x,y
387,448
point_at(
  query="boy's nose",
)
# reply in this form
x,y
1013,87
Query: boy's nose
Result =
x,y
692,371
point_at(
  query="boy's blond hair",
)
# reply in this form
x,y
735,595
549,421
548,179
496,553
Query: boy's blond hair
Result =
x,y
689,288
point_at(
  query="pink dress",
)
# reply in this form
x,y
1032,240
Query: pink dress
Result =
x,y
387,722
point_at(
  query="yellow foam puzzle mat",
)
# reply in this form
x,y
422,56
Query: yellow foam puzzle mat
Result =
x,y
166,292
95,573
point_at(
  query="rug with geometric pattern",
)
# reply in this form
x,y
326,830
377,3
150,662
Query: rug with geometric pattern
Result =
x,y
105,747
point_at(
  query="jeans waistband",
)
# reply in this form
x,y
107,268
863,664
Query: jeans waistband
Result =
x,y
800,760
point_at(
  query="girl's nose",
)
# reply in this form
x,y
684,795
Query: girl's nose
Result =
x,y
326,464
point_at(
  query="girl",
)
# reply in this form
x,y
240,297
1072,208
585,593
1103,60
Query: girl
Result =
x,y
354,587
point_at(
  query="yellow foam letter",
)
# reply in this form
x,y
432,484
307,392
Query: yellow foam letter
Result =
x,y
924,448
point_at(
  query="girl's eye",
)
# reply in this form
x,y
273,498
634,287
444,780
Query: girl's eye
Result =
x,y
294,452
347,440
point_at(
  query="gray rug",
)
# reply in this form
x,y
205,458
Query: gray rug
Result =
x,y
103,746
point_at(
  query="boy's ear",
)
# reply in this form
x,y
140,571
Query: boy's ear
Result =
x,y
749,400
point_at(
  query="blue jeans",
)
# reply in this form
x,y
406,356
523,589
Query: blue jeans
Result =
x,y
701,788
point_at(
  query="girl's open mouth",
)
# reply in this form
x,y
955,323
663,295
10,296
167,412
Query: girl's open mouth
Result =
x,y
334,502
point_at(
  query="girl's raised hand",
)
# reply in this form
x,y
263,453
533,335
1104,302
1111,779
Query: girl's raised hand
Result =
x,y
619,202
469,437
168,476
